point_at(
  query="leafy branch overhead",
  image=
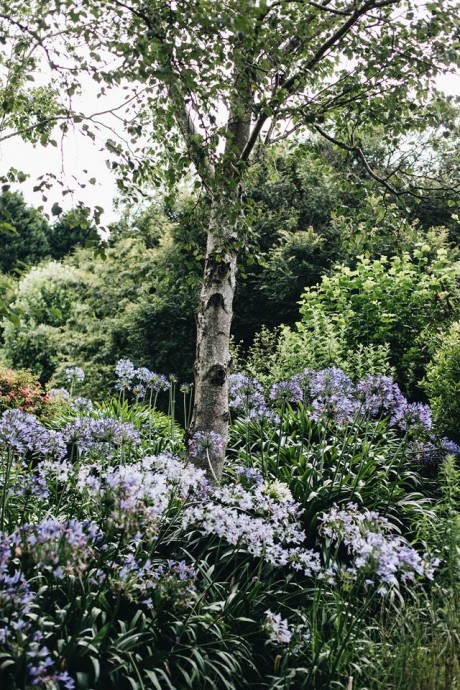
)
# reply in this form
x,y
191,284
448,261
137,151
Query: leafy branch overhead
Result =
x,y
206,82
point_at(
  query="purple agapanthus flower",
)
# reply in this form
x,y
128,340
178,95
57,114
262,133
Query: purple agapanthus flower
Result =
x,y
151,380
377,552
74,375
331,394
203,443
21,432
277,628
100,435
249,474
286,391
62,549
59,394
41,671
125,372
450,447
412,416
379,395
80,404
433,451
246,396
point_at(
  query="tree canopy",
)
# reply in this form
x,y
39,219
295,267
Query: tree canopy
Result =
x,y
210,84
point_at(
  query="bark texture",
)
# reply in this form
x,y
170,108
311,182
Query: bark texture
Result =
x,y
215,311
213,359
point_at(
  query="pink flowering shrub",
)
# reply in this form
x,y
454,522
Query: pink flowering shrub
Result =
x,y
21,390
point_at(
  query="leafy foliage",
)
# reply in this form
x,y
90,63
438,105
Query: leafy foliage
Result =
x,y
72,229
24,233
402,303
135,299
20,389
47,299
120,569
442,382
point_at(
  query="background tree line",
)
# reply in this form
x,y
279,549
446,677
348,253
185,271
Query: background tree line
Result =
x,y
311,225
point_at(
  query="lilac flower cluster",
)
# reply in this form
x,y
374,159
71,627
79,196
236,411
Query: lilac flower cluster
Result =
x,y
286,391
16,597
125,372
246,397
277,628
74,375
101,435
376,551
204,443
40,667
433,451
248,475
30,484
21,432
415,416
59,394
330,393
36,482
62,549
151,380
280,632
263,518
140,493
139,381
81,405
378,395
173,580
18,430
16,604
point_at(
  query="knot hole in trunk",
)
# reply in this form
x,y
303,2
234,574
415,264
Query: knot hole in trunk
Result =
x,y
216,301
217,374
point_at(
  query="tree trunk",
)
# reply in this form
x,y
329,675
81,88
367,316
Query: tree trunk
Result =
x,y
213,359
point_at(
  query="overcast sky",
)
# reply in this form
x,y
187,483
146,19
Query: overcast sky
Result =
x,y
76,153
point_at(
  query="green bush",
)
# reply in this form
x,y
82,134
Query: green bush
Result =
x,y
442,382
283,352
401,303
24,233
46,300
90,310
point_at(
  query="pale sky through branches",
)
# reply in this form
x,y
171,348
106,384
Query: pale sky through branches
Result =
x,y
76,153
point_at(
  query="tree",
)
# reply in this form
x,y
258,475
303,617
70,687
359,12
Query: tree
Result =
x,y
215,82
24,233
73,229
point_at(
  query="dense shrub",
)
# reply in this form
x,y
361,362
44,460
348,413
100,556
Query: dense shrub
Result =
x,y
93,309
402,303
21,390
442,382
47,300
24,233
284,352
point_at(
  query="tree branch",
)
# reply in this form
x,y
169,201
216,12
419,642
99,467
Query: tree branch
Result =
x,y
358,150
185,122
289,84
68,116
319,6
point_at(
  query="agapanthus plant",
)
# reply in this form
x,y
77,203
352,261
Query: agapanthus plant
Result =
x,y
376,551
100,435
246,397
